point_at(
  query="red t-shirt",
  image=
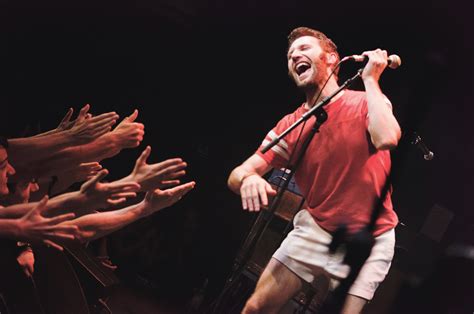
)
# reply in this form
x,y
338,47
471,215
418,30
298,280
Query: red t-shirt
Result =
x,y
341,173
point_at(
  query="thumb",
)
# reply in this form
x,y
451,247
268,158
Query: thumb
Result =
x,y
144,156
41,206
100,175
270,190
133,116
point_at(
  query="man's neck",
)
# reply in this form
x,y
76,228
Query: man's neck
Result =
x,y
330,88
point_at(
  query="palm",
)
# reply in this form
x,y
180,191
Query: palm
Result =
x,y
159,175
159,199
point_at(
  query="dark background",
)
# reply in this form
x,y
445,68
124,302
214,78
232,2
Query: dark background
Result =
x,y
209,80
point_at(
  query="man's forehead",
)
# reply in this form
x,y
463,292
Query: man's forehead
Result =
x,y
305,40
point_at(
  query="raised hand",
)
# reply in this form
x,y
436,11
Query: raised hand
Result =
x,y
80,173
254,192
102,195
34,228
86,128
129,133
160,175
159,199
66,122
376,64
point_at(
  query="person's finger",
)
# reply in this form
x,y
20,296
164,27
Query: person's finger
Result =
x,y
123,187
90,166
255,198
59,236
82,114
116,202
168,183
41,206
67,117
171,168
167,163
262,193
244,197
50,243
123,195
185,188
144,156
133,116
61,218
95,179
172,176
270,190
102,123
107,116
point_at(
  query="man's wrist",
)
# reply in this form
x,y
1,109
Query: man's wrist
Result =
x,y
245,176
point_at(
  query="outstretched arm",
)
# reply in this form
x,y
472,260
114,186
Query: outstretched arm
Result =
x,y
29,150
35,228
127,134
96,225
156,176
92,195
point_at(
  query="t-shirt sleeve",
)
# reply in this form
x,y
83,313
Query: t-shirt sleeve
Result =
x,y
279,155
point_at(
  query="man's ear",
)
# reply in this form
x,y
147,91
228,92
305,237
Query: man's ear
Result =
x,y
331,59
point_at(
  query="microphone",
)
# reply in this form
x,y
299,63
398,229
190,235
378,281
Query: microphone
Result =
x,y
427,154
394,61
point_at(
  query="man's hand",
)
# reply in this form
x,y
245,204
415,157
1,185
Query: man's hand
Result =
x,y
102,195
159,199
128,133
160,175
66,122
254,192
376,64
26,260
80,173
86,128
34,228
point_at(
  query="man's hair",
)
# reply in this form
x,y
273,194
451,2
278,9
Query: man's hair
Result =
x,y
3,142
326,43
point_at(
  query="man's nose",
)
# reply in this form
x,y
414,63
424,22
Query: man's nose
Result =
x,y
11,171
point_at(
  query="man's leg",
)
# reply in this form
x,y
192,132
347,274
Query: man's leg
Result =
x,y
275,287
353,304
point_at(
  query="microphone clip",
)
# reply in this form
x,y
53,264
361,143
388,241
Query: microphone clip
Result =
x,y
418,141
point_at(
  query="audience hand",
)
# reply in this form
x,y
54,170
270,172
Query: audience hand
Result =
x,y
34,228
159,199
102,195
160,175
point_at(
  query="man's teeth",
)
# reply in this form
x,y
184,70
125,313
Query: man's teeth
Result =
x,y
302,67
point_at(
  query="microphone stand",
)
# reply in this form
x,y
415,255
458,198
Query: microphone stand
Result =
x,y
312,111
263,220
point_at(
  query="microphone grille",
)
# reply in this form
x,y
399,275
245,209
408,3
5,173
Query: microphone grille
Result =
x,y
394,61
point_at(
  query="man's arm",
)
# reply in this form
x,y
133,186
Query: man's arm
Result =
x,y
28,150
382,126
92,195
34,227
155,176
247,181
127,134
96,225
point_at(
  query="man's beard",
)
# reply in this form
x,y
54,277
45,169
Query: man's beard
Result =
x,y
316,81
318,77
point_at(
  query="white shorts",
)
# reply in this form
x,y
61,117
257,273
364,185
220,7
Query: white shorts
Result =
x,y
305,251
